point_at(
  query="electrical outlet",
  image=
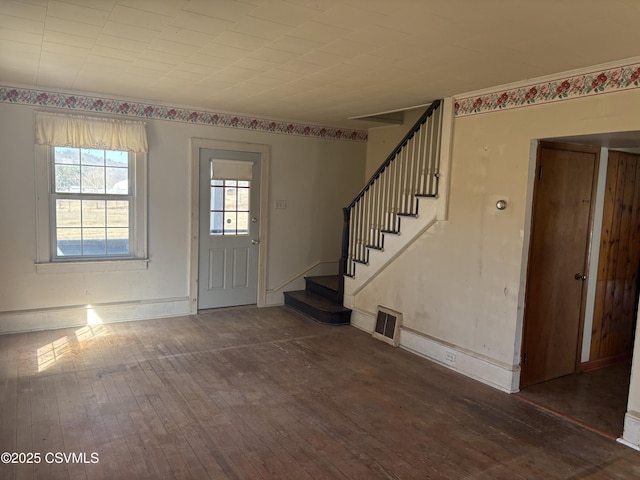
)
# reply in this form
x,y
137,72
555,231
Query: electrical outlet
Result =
x,y
450,357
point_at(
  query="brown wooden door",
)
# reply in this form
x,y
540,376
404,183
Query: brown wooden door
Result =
x,y
558,253
617,284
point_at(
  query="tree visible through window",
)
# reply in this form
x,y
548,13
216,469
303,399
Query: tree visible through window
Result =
x,y
92,202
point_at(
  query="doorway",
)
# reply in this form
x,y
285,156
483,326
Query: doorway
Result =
x,y
595,393
229,191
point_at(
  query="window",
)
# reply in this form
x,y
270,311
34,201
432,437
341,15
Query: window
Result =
x,y
92,200
91,185
229,207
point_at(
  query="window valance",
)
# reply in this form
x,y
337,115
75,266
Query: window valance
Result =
x,y
61,130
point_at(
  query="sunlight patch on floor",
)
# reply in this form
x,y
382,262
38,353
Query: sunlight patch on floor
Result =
x,y
49,354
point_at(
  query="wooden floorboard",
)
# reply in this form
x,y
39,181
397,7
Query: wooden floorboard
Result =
x,y
263,394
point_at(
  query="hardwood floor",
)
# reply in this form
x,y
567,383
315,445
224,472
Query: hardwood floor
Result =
x,y
253,393
596,399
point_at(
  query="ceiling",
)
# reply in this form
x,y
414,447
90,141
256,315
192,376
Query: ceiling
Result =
x,y
320,61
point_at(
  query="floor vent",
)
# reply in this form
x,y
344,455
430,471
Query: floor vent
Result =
x,y
388,325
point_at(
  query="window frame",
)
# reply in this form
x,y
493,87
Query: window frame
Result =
x,y
47,260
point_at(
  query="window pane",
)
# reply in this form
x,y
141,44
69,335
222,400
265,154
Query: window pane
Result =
x,y
216,223
93,213
117,214
94,241
243,199
92,157
243,183
117,180
68,241
216,198
230,183
117,241
117,159
66,155
243,223
67,179
93,180
68,213
230,223
230,198
216,183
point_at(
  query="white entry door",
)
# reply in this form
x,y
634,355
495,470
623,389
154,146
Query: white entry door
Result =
x,y
229,226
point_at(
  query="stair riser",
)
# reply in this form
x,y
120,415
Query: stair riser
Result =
x,y
326,292
329,318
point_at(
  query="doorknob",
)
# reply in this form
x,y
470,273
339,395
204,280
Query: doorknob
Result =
x,y
580,276
255,242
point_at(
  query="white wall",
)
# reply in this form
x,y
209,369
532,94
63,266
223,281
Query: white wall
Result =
x,y
460,285
316,177
382,140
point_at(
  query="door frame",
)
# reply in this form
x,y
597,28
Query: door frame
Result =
x,y
535,153
194,244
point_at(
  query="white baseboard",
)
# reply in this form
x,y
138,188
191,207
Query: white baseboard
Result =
x,y
275,299
362,320
631,435
488,371
79,315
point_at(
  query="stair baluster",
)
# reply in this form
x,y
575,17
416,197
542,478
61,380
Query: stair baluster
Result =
x,y
410,171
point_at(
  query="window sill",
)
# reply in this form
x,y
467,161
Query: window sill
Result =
x,y
92,266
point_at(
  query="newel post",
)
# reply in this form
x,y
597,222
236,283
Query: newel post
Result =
x,y
344,252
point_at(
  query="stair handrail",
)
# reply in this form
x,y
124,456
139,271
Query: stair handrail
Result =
x,y
392,156
344,253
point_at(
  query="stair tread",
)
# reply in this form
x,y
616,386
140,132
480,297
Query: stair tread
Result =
x,y
317,301
329,281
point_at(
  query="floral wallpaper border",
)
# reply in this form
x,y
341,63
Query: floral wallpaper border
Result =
x,y
613,79
43,98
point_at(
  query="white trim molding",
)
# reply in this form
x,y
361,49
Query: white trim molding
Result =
x,y
81,315
489,371
195,145
631,435
479,367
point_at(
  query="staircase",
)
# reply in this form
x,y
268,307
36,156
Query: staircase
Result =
x,y
320,300
393,209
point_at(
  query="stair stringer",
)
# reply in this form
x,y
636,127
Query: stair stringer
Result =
x,y
411,228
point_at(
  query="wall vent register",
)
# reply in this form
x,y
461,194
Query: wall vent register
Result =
x,y
387,327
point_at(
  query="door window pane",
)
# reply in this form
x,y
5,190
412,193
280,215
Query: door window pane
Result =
x,y
216,223
230,226
243,223
229,207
